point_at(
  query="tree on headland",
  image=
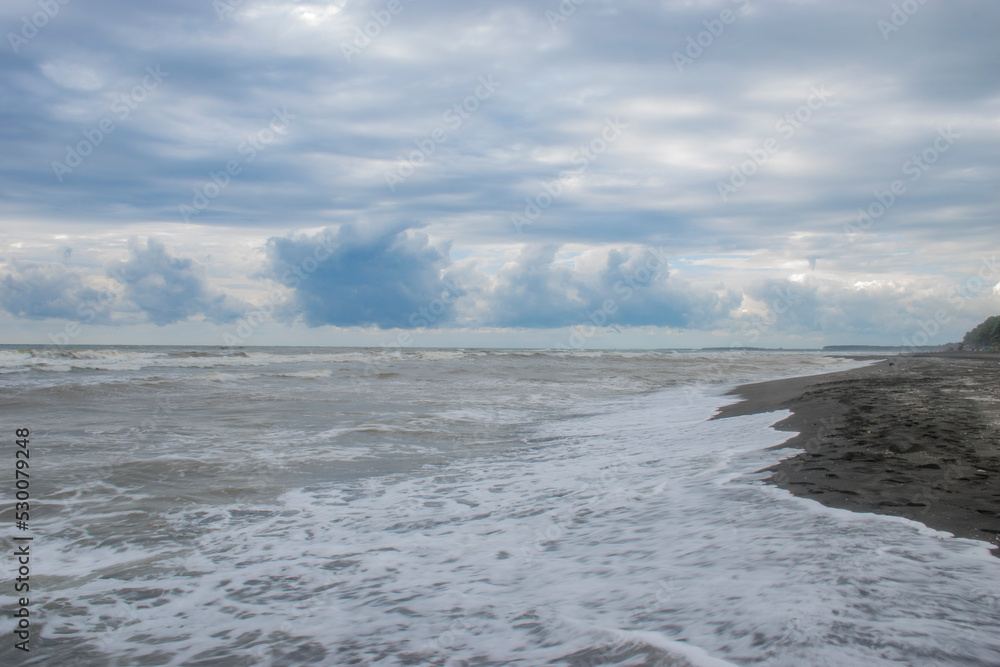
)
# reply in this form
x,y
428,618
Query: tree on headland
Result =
x,y
986,334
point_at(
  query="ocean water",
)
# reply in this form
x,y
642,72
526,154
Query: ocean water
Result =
x,y
289,506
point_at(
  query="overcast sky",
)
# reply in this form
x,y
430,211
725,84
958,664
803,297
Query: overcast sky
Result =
x,y
580,174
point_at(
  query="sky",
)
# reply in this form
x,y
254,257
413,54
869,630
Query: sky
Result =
x,y
576,174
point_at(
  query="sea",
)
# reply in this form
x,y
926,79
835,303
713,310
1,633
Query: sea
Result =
x,y
347,506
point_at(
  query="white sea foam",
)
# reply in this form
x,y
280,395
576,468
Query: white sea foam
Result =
x,y
318,373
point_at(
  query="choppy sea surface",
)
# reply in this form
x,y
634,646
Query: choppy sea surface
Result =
x,y
291,506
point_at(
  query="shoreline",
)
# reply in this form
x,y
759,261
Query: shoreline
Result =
x,y
916,436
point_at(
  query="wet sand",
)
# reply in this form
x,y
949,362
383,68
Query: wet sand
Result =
x,y
916,436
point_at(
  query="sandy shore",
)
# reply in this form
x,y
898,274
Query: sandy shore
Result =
x,y
914,436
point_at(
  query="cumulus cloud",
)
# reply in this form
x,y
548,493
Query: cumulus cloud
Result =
x,y
354,277
38,292
532,292
397,279
631,287
870,307
169,289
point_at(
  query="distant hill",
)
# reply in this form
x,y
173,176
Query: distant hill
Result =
x,y
986,334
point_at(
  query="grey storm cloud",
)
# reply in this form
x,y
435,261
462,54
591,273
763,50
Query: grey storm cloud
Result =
x,y
356,278
169,289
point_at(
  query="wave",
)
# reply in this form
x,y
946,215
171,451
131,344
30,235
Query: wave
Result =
x,y
320,373
68,360
124,359
658,368
208,353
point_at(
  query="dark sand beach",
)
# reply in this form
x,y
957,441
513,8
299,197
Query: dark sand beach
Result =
x,y
916,436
